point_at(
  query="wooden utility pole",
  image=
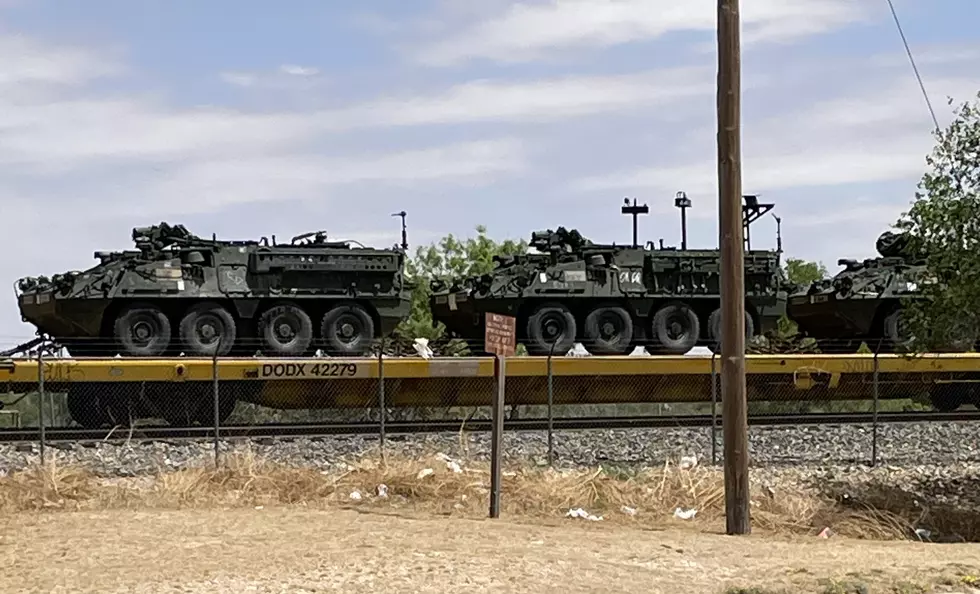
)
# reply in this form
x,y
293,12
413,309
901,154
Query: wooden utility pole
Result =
x,y
733,390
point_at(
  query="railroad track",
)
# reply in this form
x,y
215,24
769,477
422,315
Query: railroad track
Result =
x,y
271,431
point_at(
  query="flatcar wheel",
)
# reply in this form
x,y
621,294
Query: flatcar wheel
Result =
x,y
142,330
194,404
675,329
948,397
551,325
206,329
347,330
286,330
85,407
715,331
609,330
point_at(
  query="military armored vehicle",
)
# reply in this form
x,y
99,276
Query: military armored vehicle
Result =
x,y
612,298
180,293
862,302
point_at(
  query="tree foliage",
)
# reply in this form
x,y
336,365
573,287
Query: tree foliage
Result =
x,y
803,273
449,259
944,225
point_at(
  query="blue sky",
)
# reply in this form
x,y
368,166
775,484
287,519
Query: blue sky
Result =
x,y
245,119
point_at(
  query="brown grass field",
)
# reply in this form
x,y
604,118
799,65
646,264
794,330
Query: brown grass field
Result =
x,y
254,526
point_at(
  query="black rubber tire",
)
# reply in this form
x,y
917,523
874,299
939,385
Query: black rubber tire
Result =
x,y
551,315
681,313
149,316
892,331
361,325
299,323
619,343
215,315
714,330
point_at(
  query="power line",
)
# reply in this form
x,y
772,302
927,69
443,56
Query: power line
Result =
x,y
915,69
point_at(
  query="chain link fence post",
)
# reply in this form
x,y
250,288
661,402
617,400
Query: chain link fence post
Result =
x,y
216,403
40,397
714,411
874,411
551,404
382,404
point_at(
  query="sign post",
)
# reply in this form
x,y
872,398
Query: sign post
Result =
x,y
501,340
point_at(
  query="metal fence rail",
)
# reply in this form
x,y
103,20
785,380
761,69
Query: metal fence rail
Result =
x,y
45,393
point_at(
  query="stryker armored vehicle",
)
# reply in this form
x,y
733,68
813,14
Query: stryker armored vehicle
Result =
x,y
862,302
179,293
612,298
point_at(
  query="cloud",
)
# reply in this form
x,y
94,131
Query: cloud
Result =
x,y
193,187
880,134
294,70
286,77
543,100
29,62
527,32
80,161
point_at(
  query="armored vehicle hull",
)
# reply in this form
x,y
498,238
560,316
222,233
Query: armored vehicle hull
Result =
x,y
609,298
178,293
861,303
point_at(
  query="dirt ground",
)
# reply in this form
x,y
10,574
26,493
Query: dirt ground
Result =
x,y
292,549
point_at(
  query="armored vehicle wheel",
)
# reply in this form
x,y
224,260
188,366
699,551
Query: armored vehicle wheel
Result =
x,y
714,329
609,330
142,330
286,330
896,331
207,328
675,329
551,325
347,330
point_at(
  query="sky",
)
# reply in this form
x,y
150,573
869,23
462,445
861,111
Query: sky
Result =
x,y
243,119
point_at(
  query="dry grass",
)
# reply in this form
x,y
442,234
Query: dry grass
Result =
x,y
542,494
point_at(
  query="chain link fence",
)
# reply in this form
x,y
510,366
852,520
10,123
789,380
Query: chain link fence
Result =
x,y
418,387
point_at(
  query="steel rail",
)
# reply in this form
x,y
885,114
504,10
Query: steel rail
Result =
x,y
314,430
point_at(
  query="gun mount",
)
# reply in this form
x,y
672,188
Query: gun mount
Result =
x,y
560,241
156,238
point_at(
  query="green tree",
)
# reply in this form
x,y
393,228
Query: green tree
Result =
x,y
799,272
802,272
944,226
451,259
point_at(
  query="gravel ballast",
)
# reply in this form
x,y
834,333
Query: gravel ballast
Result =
x,y
914,444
